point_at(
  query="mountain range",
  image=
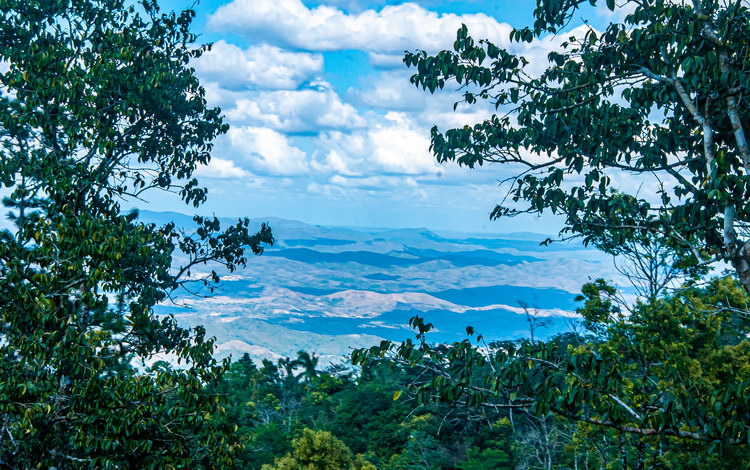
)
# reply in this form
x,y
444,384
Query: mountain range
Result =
x,y
330,289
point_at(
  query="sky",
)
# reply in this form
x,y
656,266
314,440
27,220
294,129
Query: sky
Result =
x,y
325,126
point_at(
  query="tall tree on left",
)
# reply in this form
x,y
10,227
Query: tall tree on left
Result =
x,y
98,105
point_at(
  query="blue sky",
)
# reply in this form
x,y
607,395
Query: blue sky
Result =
x,y
325,126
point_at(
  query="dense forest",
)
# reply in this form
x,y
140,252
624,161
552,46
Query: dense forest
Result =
x,y
375,412
99,105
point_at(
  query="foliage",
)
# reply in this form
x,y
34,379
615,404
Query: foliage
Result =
x,y
489,459
661,94
674,374
272,410
98,106
319,450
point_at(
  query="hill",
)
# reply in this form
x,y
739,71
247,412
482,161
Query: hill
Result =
x,y
327,289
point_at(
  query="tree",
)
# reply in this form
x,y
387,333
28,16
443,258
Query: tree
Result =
x,y
491,459
654,265
99,106
661,94
319,450
362,416
308,363
672,379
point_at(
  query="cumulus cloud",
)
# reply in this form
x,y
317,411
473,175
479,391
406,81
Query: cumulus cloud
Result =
x,y
379,136
390,90
267,152
343,154
221,168
358,5
619,13
218,96
260,66
310,110
392,145
400,148
324,28
373,182
386,61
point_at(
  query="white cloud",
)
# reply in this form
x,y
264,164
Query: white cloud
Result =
x,y
620,12
388,61
400,148
354,149
326,190
391,90
357,5
261,66
345,154
323,28
267,152
373,182
221,168
296,111
218,96
392,145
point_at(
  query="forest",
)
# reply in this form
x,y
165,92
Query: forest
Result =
x,y
99,105
375,413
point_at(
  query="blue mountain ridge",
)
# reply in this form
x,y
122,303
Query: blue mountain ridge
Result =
x,y
328,289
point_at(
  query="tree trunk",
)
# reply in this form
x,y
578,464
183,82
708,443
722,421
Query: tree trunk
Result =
x,y
641,459
741,264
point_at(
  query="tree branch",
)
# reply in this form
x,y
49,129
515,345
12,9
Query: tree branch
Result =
x,y
644,431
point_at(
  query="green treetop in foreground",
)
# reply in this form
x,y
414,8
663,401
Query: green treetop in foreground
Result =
x,y
98,106
661,95
319,450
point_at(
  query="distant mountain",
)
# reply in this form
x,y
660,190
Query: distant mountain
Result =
x,y
264,340
328,289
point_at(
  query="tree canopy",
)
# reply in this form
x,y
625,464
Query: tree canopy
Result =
x,y
661,93
671,379
98,106
319,450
